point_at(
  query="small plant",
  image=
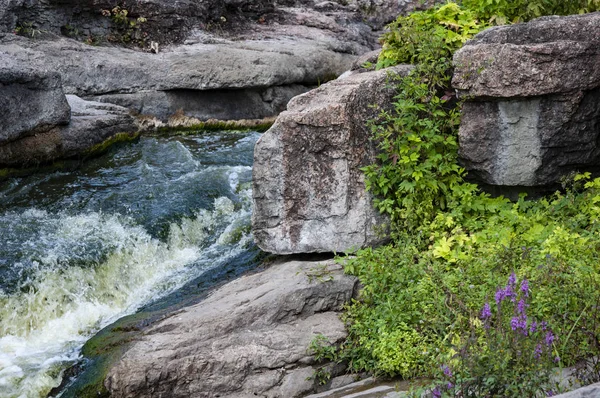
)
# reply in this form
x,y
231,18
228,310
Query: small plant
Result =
x,y
126,29
322,349
27,29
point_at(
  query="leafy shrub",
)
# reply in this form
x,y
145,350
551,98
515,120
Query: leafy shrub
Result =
x,y
125,29
452,244
500,12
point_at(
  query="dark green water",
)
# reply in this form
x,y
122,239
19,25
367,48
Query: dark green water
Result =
x,y
80,249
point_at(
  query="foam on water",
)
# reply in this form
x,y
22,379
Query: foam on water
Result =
x,y
80,272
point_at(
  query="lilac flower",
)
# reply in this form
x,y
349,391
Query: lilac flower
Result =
x,y
521,306
519,322
486,312
512,279
544,326
449,386
514,323
549,339
436,393
533,327
525,287
537,353
556,359
447,371
499,295
503,293
550,393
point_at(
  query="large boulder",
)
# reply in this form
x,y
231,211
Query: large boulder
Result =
x,y
248,338
309,192
532,113
31,100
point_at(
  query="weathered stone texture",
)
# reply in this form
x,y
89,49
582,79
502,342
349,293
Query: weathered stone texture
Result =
x,y
30,100
249,338
309,193
591,391
91,123
533,113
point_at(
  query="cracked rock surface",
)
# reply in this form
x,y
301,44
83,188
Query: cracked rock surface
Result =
x,y
532,114
248,338
308,190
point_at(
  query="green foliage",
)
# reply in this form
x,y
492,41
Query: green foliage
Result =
x,y
453,245
500,12
126,30
27,29
505,353
427,36
322,349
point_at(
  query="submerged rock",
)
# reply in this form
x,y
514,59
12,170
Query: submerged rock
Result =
x,y
248,338
309,192
533,113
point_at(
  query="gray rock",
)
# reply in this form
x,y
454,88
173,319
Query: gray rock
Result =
x,y
249,338
91,123
31,100
591,391
226,104
546,56
532,115
173,22
234,80
308,191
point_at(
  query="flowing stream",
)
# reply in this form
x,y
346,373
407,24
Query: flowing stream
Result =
x,y
80,249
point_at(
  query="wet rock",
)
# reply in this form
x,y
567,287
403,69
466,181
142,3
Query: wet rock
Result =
x,y
91,123
31,100
533,89
249,338
309,193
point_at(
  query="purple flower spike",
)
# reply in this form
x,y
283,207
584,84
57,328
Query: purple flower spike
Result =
x,y
510,293
550,393
512,279
447,371
449,386
525,287
436,393
499,295
521,306
549,339
556,359
533,327
514,323
486,312
537,353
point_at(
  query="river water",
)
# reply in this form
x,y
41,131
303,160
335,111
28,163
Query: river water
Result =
x,y
82,248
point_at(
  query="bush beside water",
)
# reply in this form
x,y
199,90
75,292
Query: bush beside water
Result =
x,y
436,302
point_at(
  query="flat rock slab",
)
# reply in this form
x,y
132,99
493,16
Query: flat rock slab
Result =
x,y
249,338
532,115
309,193
91,123
367,388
